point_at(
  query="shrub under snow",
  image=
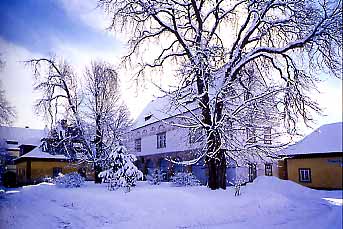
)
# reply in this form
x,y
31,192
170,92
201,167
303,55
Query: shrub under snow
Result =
x,y
121,171
185,179
70,180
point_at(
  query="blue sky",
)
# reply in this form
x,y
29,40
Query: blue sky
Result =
x,y
36,24
72,29
76,31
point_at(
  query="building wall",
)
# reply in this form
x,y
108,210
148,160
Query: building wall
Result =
x,y
42,169
14,153
282,169
178,146
21,172
326,172
177,139
242,172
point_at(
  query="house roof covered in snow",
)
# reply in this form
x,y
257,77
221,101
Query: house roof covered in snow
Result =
x,y
325,139
21,136
159,109
38,153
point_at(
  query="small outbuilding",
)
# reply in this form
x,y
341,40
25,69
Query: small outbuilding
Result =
x,y
315,161
37,165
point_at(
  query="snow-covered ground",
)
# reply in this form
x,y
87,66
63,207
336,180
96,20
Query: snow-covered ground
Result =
x,y
266,203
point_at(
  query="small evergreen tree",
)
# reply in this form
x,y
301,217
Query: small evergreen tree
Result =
x,y
121,172
155,178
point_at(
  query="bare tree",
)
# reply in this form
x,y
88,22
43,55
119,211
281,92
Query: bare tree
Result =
x,y
7,112
219,44
97,124
108,112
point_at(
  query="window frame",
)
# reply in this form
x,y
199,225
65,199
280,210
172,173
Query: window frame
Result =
x,y
161,140
251,135
308,170
12,142
138,142
268,171
267,138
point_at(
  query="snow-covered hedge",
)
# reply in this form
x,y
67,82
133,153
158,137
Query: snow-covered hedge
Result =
x,y
70,180
185,179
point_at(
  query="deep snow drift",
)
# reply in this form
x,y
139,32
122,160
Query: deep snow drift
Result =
x,y
266,203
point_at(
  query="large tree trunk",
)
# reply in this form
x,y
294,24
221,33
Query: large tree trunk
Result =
x,y
97,170
216,163
98,148
215,156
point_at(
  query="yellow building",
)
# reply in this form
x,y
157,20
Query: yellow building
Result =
x,y
316,161
15,142
37,165
25,162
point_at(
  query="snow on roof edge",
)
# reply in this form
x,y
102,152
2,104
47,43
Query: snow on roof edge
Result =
x,y
324,140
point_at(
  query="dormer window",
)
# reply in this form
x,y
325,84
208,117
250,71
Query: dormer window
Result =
x,y
10,142
45,147
146,118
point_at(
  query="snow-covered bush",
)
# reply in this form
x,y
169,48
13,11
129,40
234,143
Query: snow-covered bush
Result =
x,y
155,178
121,172
185,179
46,179
70,180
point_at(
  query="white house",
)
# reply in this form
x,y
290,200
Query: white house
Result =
x,y
159,135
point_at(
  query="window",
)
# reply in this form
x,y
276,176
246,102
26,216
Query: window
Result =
x,y
268,135
305,175
161,140
195,135
268,170
56,171
138,144
21,172
45,147
10,142
146,118
251,135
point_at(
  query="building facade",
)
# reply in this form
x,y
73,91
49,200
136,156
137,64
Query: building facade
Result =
x,y
30,157
315,161
160,140
15,142
37,166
